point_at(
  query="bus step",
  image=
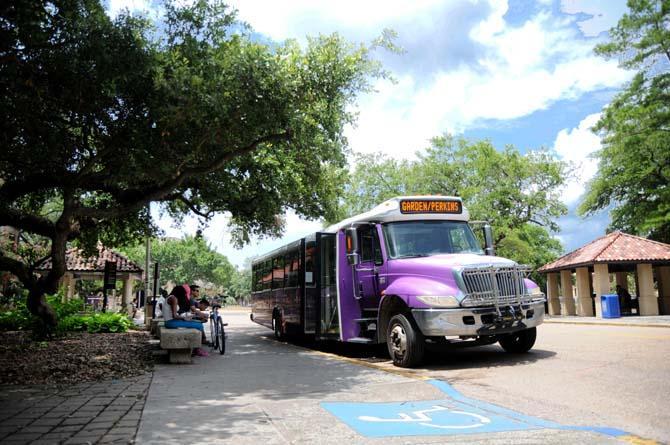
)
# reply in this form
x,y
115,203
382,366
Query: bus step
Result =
x,y
366,320
360,340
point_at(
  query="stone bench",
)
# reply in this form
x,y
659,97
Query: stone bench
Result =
x,y
155,326
179,343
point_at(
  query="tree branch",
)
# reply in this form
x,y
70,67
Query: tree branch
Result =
x,y
30,223
18,269
132,200
192,206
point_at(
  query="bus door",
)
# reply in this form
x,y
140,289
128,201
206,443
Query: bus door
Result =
x,y
367,270
327,283
321,311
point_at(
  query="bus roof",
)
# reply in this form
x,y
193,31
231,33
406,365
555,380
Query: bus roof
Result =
x,y
410,208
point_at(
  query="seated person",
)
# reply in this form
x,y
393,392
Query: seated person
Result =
x,y
160,303
199,310
194,294
175,317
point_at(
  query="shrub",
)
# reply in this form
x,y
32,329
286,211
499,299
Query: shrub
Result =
x,y
17,319
95,323
230,301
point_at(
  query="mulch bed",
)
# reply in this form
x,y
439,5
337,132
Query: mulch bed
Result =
x,y
75,358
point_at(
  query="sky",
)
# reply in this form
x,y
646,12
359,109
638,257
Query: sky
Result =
x,y
514,72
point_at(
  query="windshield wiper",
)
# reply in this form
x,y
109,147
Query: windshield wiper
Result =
x,y
416,255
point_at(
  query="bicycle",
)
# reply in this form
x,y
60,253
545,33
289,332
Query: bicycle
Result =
x,y
217,330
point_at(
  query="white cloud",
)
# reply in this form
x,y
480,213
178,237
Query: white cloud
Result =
x,y
218,235
604,14
116,6
576,145
296,19
524,69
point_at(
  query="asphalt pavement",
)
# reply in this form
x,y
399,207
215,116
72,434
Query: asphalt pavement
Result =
x,y
270,392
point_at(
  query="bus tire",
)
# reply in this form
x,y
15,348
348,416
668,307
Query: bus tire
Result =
x,y
277,327
405,342
518,342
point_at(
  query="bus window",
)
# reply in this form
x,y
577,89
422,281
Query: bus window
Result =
x,y
256,278
310,247
278,273
292,268
369,242
267,275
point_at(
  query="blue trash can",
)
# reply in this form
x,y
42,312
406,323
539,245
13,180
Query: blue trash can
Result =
x,y
610,306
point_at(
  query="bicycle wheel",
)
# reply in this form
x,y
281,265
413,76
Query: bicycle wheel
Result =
x,y
213,334
221,337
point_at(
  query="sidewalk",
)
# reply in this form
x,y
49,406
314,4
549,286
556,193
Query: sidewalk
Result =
x,y
657,321
98,412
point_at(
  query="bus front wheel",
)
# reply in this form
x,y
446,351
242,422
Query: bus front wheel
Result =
x,y
404,341
518,342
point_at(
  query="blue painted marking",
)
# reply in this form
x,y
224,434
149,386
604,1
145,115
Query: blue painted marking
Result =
x,y
455,415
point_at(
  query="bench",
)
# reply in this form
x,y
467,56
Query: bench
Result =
x,y
155,326
179,343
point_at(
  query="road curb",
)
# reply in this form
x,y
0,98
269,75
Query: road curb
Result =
x,y
598,323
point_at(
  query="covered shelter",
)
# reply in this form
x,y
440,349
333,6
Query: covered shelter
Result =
x,y
81,267
616,259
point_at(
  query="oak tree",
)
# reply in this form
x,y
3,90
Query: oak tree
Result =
x,y
100,117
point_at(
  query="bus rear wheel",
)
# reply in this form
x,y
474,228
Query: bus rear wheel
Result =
x,y
404,341
277,327
518,342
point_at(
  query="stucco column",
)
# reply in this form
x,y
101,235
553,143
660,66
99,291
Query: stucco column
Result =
x,y
568,302
621,279
601,285
663,276
647,299
68,284
584,300
127,291
552,294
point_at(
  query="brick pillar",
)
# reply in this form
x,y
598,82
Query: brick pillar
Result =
x,y
601,285
568,302
552,294
647,298
584,300
663,276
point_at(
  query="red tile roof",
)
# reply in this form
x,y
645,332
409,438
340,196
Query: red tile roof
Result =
x,y
76,261
616,247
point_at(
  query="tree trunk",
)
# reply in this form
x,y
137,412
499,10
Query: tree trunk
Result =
x,y
38,306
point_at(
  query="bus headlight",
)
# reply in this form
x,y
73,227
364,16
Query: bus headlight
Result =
x,y
439,300
537,294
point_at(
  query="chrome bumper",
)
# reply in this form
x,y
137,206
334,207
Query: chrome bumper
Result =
x,y
476,321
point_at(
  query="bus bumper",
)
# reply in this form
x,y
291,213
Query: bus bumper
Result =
x,y
478,321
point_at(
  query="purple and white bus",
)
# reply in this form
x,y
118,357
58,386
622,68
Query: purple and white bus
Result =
x,y
406,273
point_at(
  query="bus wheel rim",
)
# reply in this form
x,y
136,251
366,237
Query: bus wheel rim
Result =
x,y
398,340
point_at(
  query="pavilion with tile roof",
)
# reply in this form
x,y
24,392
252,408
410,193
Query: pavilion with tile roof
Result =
x,y
80,267
619,254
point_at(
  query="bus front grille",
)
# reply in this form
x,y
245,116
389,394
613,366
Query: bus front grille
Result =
x,y
495,285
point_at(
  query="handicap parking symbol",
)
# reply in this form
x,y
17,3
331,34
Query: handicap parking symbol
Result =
x,y
431,417
455,414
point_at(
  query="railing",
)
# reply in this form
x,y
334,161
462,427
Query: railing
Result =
x,y
495,285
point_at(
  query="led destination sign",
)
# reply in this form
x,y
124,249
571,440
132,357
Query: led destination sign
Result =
x,y
430,206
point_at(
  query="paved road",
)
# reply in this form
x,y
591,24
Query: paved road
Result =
x,y
263,391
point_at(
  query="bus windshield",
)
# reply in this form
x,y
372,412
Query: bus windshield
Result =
x,y
425,238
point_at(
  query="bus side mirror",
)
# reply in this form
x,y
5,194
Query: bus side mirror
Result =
x,y
488,240
351,237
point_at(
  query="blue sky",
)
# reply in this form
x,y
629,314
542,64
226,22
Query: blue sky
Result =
x,y
515,72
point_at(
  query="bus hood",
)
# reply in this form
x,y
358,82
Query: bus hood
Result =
x,y
435,275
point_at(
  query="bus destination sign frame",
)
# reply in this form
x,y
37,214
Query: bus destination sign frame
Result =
x,y
431,206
